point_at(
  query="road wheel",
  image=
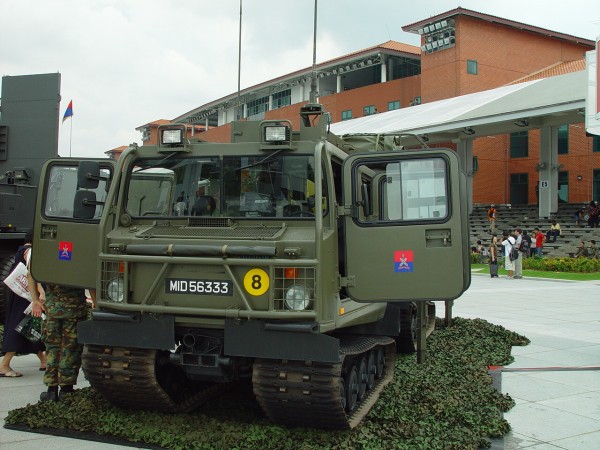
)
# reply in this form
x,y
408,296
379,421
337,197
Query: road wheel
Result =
x,y
371,370
352,388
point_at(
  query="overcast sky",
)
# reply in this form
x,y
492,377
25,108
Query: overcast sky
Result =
x,y
125,63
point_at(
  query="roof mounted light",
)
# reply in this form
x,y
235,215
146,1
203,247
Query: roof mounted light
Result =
x,y
172,137
169,137
276,133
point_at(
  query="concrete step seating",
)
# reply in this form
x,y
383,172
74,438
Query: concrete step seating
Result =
x,y
526,217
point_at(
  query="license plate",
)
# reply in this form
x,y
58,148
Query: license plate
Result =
x,y
198,287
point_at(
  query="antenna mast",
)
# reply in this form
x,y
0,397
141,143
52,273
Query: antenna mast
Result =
x,y
313,79
237,109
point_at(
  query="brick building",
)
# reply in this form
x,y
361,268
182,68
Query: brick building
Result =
x,y
462,52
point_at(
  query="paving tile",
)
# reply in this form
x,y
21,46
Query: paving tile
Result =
x,y
587,441
586,379
566,358
530,349
585,404
555,341
536,389
548,424
590,349
515,441
527,361
544,446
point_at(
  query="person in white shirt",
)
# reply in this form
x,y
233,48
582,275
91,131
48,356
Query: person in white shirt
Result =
x,y
508,242
519,261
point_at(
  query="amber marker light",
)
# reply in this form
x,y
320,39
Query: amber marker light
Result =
x,y
291,273
342,311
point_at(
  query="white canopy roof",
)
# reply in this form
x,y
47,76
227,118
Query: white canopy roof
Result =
x,y
550,101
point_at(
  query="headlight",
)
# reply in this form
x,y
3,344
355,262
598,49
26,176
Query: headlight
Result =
x,y
115,290
297,298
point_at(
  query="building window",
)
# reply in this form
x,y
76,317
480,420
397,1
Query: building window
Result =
x,y
519,144
563,187
563,139
471,67
404,67
596,185
393,105
596,144
519,188
281,99
369,110
258,106
347,115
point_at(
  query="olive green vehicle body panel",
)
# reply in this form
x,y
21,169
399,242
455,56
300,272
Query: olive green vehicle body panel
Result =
x,y
420,253
66,248
153,253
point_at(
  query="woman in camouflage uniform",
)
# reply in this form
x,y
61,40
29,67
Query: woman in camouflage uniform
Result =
x,y
65,307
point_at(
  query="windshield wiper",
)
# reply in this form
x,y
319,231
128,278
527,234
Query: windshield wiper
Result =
x,y
264,160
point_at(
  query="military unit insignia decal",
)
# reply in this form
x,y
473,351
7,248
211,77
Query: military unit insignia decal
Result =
x,y
65,251
403,261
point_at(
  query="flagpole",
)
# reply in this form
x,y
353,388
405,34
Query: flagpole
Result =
x,y
71,136
238,113
69,114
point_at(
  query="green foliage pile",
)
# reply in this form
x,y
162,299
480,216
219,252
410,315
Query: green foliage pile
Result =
x,y
446,403
577,265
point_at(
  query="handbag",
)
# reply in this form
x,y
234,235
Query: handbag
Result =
x,y
30,328
17,281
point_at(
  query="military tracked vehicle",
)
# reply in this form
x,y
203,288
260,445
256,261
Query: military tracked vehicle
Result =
x,y
281,257
28,137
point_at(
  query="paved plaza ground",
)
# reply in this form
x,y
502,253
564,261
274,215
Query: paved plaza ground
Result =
x,y
555,380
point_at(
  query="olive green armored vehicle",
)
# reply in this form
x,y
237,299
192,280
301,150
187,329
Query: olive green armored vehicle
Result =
x,y
26,100
281,257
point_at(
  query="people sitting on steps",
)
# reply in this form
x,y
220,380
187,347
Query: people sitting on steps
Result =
x,y
593,251
553,232
563,243
582,252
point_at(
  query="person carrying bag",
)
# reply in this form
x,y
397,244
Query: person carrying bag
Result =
x,y
16,305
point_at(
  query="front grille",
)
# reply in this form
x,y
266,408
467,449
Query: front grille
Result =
x,y
304,276
111,270
210,222
235,232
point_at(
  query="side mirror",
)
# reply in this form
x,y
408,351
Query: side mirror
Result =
x,y
88,174
84,205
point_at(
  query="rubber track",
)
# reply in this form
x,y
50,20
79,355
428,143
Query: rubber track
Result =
x,y
304,393
127,378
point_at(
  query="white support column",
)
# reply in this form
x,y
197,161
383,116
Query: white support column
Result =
x,y
338,87
384,70
206,124
465,154
548,170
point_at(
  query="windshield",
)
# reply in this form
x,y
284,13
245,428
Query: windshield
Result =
x,y
272,185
